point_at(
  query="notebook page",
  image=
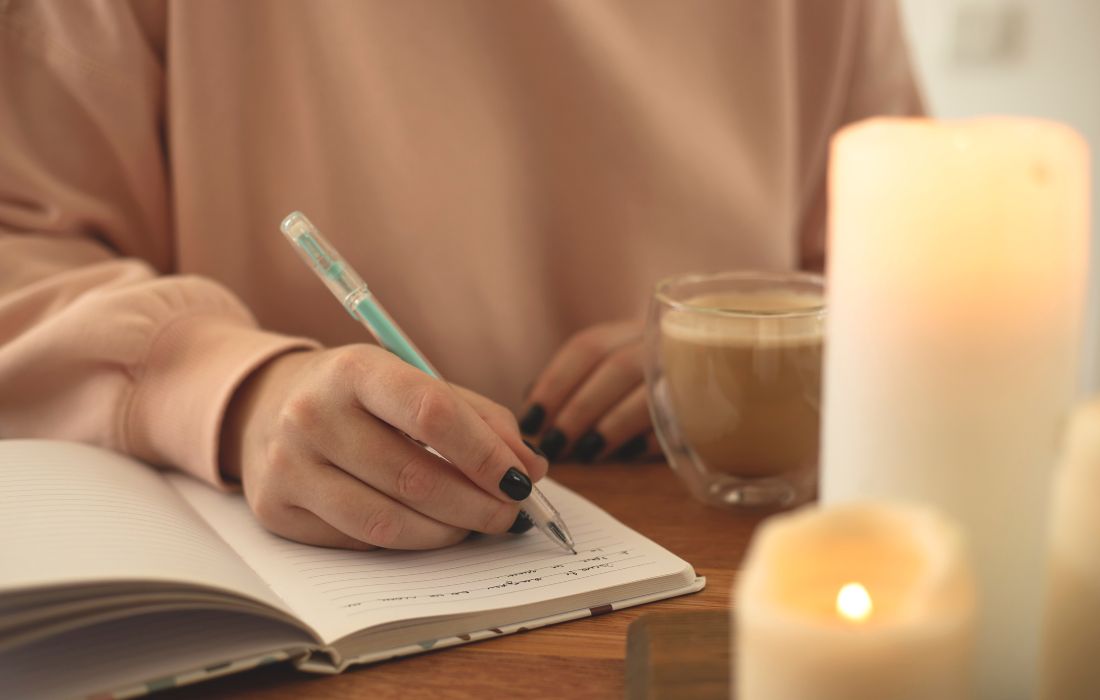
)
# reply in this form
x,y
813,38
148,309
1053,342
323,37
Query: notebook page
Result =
x,y
340,592
72,513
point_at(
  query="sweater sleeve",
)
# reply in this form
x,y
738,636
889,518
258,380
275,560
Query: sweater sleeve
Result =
x,y
98,342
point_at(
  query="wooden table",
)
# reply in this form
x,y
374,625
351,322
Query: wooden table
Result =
x,y
580,659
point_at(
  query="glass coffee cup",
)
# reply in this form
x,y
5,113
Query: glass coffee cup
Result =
x,y
733,370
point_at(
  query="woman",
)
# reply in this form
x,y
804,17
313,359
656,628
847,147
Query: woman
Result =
x,y
509,177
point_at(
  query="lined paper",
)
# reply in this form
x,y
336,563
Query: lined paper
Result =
x,y
74,514
340,592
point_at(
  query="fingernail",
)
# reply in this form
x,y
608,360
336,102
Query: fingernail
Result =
x,y
632,448
515,484
532,420
588,447
522,524
534,449
552,442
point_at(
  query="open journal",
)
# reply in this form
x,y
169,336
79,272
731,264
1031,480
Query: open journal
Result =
x,y
116,579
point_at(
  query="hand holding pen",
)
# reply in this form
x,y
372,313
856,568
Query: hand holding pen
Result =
x,y
316,438
358,300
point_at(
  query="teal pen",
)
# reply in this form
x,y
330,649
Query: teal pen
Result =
x,y
352,292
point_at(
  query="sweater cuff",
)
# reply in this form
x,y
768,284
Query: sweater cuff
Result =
x,y
194,366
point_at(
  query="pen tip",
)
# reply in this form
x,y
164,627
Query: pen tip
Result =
x,y
572,550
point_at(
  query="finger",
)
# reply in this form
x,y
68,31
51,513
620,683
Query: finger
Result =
x,y
302,526
271,493
364,514
605,387
567,369
627,420
503,423
432,412
635,449
379,456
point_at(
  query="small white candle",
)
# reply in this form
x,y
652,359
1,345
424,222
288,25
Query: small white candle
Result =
x,y
1070,669
957,261
857,602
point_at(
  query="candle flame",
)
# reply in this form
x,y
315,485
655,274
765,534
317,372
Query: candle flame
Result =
x,y
853,602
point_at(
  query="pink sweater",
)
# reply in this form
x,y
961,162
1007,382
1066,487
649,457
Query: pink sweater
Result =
x,y
503,174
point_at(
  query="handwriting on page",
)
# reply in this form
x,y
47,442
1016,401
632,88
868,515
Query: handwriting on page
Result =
x,y
339,592
479,569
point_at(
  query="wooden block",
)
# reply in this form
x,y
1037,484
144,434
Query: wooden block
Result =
x,y
680,655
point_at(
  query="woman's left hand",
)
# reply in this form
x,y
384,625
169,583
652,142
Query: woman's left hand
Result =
x,y
590,401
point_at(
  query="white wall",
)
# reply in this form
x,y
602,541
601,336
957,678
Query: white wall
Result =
x,y
1033,57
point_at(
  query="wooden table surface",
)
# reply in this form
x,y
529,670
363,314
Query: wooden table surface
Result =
x,y
579,659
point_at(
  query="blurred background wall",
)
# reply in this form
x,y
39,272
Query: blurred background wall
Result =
x,y
1033,57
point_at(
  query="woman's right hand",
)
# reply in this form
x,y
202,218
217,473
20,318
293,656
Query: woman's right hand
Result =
x,y
316,440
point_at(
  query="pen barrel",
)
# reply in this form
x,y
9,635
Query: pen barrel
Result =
x,y
366,308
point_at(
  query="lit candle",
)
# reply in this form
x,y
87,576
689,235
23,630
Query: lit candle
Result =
x,y
1071,629
855,602
957,263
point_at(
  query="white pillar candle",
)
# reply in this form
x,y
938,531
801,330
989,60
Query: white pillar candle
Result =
x,y
857,602
957,263
1070,669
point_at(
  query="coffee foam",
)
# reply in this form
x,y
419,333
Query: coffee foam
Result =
x,y
707,328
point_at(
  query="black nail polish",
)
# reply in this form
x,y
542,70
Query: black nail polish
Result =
x,y
552,442
534,449
590,445
631,449
515,484
532,420
522,524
